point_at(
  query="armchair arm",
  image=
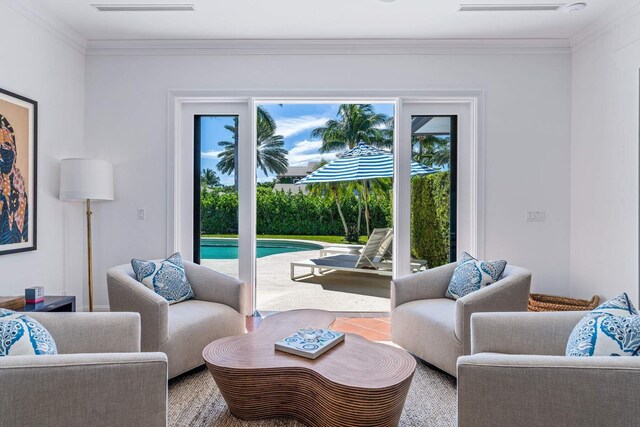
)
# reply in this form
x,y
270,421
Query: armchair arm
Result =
x,y
428,284
92,332
511,293
509,390
127,294
116,389
210,285
523,333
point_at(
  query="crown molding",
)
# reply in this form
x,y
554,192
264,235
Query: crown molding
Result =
x,y
624,10
49,23
329,47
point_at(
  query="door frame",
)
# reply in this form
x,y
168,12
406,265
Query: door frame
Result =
x,y
183,105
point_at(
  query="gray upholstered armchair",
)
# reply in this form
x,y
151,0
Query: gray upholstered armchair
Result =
x,y
99,377
184,329
437,329
518,374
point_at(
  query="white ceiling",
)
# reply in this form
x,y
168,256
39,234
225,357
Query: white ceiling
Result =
x,y
321,19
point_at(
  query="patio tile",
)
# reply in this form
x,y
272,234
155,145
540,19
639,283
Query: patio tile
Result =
x,y
370,323
375,336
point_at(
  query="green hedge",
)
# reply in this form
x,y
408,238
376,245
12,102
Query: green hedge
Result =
x,y
430,218
284,213
280,212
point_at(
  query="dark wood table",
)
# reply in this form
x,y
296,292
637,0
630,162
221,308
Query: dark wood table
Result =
x,y
357,383
53,303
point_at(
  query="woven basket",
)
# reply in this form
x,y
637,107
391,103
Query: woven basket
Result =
x,y
540,302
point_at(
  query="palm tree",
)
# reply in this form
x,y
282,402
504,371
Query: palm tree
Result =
x,y
208,178
356,123
432,151
271,154
335,190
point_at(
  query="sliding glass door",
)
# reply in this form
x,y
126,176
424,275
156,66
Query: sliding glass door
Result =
x,y
274,190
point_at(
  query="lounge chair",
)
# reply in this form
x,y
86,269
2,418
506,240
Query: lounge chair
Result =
x,y
373,259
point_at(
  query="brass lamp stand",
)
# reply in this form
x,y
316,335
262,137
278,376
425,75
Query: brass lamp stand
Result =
x,y
89,255
86,180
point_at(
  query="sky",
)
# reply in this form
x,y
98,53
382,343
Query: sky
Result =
x,y
294,122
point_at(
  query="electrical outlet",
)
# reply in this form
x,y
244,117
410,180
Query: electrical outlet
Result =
x,y
141,214
536,216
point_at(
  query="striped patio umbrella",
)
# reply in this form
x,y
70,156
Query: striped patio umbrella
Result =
x,y
360,163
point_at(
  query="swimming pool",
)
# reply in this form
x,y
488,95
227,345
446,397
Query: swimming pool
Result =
x,y
212,248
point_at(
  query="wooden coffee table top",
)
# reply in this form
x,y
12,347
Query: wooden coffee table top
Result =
x,y
357,362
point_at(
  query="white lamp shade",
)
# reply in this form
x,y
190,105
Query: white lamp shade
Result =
x,y
82,179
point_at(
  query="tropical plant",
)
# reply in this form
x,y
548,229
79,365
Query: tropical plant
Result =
x,y
431,150
271,154
208,178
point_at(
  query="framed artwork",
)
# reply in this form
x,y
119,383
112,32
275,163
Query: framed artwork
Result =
x,y
18,171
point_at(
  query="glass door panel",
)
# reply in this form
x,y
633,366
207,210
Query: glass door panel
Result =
x,y
433,189
215,222
324,176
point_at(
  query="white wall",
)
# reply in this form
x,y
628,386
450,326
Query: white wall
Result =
x,y
40,66
604,163
527,138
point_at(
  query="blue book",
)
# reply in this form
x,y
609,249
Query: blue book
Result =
x,y
296,344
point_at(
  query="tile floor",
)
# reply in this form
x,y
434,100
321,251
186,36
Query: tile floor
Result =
x,y
371,328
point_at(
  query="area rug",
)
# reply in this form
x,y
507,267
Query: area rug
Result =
x,y
194,400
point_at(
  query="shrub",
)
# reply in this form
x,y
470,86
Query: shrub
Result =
x,y
280,212
430,218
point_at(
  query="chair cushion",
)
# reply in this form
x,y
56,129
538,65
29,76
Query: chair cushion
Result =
x,y
425,328
611,329
166,278
20,335
471,275
192,325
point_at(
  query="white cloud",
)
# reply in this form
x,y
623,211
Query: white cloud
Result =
x,y
306,151
293,125
211,154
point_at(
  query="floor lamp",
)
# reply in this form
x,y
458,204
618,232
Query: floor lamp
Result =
x,y
86,180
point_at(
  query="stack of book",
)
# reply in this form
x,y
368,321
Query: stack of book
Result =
x,y
34,295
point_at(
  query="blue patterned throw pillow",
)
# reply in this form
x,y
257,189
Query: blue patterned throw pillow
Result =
x,y
471,275
620,306
166,278
20,335
611,329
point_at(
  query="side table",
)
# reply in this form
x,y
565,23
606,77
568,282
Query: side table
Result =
x,y
52,303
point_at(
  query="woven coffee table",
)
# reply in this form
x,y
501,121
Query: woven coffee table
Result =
x,y
357,383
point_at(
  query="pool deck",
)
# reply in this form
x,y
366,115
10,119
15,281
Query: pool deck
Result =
x,y
333,291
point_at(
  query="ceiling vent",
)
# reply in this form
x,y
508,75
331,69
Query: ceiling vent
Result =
x,y
183,7
502,7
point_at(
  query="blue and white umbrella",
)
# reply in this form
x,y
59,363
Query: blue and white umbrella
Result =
x,y
360,163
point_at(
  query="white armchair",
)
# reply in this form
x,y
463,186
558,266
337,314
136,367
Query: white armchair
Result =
x,y
184,329
436,328
99,377
518,374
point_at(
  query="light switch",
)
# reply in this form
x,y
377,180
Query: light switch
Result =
x,y
536,216
141,214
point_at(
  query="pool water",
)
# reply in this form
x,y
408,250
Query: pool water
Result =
x,y
211,248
